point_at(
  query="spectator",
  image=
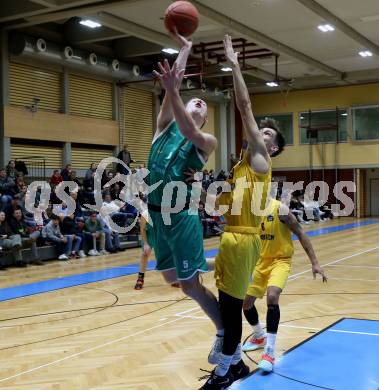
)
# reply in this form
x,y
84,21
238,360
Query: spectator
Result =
x,y
125,156
209,224
52,234
221,176
61,210
10,241
211,176
93,232
6,189
72,177
233,160
89,183
11,170
28,235
111,209
78,213
70,229
55,178
65,172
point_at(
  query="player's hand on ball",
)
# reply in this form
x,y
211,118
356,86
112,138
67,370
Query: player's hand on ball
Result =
x,y
170,78
183,42
230,54
316,269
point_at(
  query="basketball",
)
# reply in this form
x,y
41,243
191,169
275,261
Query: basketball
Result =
x,y
184,16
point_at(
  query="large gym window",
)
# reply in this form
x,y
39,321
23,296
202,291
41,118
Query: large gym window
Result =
x,y
285,122
365,123
323,119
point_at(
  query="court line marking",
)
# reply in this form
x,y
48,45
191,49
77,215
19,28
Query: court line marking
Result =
x,y
355,266
88,350
179,317
296,276
360,280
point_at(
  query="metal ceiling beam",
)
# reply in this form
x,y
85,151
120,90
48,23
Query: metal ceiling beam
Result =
x,y
46,3
54,16
131,28
340,25
27,13
265,40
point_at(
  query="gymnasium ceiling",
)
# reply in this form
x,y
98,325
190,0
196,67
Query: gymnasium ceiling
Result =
x,y
133,31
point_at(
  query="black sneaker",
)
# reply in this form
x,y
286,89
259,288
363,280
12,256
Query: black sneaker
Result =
x,y
239,370
216,382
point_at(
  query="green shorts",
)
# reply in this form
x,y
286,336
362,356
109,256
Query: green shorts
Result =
x,y
179,245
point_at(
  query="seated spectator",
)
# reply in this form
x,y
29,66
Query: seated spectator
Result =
x,y
72,177
112,209
88,183
11,170
210,226
221,176
327,210
78,213
93,233
297,209
69,228
28,235
61,210
211,176
10,241
56,178
52,234
6,189
65,172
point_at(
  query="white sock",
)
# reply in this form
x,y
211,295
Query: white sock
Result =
x,y
220,332
270,344
258,330
223,364
237,355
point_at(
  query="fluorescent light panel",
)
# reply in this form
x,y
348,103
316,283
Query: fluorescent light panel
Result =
x,y
325,27
90,23
272,84
169,50
226,69
365,53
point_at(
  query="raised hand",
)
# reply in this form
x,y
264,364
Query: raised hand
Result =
x,y
183,42
170,78
230,54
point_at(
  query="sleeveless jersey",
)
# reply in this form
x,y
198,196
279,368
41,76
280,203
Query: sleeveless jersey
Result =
x,y
170,156
275,235
240,199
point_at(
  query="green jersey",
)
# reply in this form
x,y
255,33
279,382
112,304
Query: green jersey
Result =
x,y
171,155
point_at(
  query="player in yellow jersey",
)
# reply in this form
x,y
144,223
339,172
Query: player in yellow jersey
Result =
x,y
240,245
271,274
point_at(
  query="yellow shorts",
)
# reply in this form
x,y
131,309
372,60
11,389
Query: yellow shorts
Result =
x,y
269,272
235,262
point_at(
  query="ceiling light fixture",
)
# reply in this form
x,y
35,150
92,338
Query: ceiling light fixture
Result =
x,y
344,114
272,84
226,69
169,50
90,23
325,27
365,53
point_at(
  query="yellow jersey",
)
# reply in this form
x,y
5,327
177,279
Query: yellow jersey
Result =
x,y
275,235
244,201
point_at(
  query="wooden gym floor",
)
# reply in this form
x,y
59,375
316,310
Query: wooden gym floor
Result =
x,y
106,335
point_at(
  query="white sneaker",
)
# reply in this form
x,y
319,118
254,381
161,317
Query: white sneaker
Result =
x,y
63,257
254,343
81,254
214,354
268,360
103,252
93,252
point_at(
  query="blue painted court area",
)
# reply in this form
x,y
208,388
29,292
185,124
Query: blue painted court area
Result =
x,y
341,357
110,273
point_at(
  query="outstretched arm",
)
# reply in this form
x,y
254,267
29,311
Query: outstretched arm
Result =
x,y
171,80
290,220
166,115
259,158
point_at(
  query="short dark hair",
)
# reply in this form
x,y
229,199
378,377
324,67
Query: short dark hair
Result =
x,y
280,140
54,217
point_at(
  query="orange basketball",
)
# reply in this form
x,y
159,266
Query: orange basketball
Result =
x,y
184,16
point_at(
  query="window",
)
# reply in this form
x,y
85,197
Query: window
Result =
x,y
285,124
365,123
324,118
